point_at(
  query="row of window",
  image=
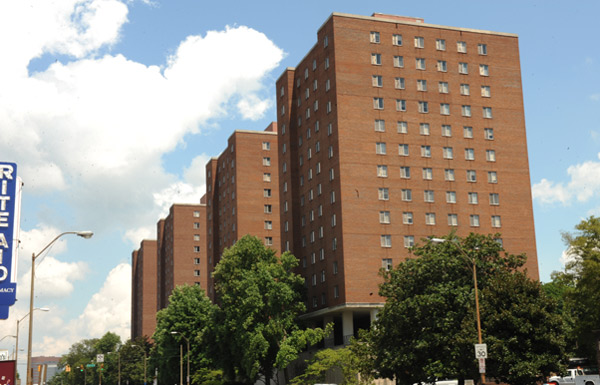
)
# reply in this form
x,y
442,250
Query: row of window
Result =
x,y
423,108
443,87
427,173
447,152
419,42
424,129
421,64
383,194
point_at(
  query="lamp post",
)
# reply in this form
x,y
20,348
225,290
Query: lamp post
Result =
x,y
474,268
17,343
83,234
119,365
188,356
144,350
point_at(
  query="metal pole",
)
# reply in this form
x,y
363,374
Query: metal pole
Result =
x,y
188,361
17,350
477,311
119,378
144,366
29,343
180,364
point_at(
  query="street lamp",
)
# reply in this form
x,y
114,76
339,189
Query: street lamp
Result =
x,y
118,351
17,343
474,267
83,234
188,356
144,350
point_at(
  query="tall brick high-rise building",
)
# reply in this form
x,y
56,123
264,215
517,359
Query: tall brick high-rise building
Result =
x,y
242,193
181,249
392,130
143,290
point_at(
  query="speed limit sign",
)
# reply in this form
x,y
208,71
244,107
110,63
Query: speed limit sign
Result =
x,y
481,351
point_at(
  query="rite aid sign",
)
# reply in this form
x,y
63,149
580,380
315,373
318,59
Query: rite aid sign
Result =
x,y
10,205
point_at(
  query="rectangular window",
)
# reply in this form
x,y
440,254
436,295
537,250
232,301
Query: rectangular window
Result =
x,y
466,111
400,105
430,219
383,194
474,220
452,220
419,42
268,209
397,39
402,127
420,63
386,264
446,130
327,85
471,176
386,240
484,70
427,173
448,153
465,89
399,83
382,171
421,85
496,221
380,148
426,151
403,150
405,172
450,196
486,91
266,161
488,133
376,59
196,249
266,145
444,109
469,154
326,62
196,261
331,174
399,61
449,174
268,241
461,46
409,241
468,132
424,129
443,87
463,68
377,81
487,112
196,273
492,177
406,195
378,103
384,217
442,66
266,177
407,218
374,37
379,125
423,107
482,49
268,225
490,155
428,196
494,199
440,44
267,193
196,237
473,199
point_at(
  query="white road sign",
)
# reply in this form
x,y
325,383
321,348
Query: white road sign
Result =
x,y
3,355
481,351
99,358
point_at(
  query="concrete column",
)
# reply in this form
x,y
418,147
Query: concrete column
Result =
x,y
374,314
329,339
347,326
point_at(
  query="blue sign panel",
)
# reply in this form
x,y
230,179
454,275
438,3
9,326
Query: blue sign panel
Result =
x,y
10,193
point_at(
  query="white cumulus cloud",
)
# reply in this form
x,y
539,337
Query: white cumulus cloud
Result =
x,y
584,184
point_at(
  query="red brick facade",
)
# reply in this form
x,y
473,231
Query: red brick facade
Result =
x,y
242,193
392,130
143,296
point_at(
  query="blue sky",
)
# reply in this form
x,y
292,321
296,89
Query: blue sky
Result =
x,y
112,107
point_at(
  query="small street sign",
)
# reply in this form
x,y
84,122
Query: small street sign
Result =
x,y
3,355
482,365
481,351
90,366
99,358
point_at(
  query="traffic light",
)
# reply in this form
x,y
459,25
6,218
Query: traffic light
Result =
x,y
101,366
67,368
81,368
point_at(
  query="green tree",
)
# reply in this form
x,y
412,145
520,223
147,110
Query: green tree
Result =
x,y
427,327
260,298
188,315
582,272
